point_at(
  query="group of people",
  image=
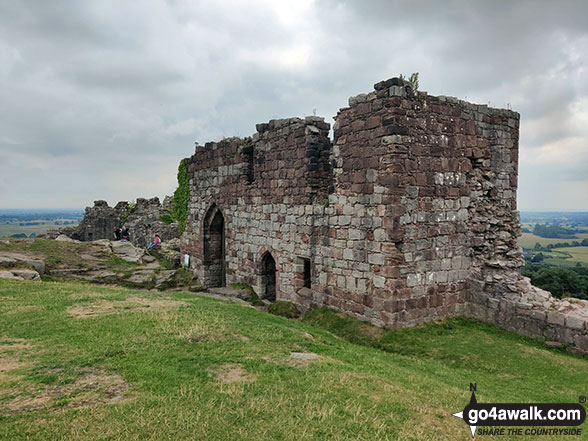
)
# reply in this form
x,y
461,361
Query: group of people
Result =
x,y
122,233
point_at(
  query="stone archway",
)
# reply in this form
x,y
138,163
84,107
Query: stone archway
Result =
x,y
214,248
268,277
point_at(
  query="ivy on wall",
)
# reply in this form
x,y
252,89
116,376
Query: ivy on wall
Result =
x,y
181,197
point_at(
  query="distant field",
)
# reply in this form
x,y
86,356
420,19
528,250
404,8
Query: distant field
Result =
x,y
566,256
7,230
528,240
579,254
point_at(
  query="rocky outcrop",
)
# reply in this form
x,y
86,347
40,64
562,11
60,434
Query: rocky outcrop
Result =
x,y
20,274
144,222
127,251
12,261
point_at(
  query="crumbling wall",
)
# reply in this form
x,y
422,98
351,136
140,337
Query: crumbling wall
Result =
x,y
142,219
269,188
99,222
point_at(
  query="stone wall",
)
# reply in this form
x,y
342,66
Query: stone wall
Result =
x,y
408,216
142,219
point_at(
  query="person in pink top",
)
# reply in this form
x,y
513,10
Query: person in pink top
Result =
x,y
156,242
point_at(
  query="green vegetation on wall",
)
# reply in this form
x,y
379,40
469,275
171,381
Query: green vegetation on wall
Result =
x,y
131,210
181,197
413,80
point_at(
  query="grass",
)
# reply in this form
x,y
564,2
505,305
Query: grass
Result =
x,y
577,254
253,297
190,367
566,257
284,309
56,254
11,228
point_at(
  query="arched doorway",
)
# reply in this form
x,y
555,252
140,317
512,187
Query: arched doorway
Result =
x,y
214,248
268,277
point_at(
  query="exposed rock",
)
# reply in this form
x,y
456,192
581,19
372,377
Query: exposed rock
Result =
x,y
126,250
8,260
142,277
164,278
304,355
104,276
20,274
553,344
64,238
68,273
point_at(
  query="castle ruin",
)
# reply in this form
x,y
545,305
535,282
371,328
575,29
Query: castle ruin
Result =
x,y
408,215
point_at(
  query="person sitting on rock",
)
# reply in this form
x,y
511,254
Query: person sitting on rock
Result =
x,y
125,236
156,242
117,233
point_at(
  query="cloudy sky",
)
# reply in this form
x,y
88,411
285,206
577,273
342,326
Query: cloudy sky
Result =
x,y
101,99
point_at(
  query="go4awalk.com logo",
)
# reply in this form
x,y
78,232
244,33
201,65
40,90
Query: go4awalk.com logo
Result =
x,y
506,418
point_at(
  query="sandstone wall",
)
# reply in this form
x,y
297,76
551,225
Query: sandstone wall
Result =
x,y
408,216
269,189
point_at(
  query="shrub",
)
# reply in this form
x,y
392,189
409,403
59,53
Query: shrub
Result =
x,y
561,282
166,218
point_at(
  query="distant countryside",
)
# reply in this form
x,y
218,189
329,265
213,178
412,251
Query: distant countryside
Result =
x,y
32,222
555,244
555,247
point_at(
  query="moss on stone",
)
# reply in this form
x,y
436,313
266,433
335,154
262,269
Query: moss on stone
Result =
x,y
284,309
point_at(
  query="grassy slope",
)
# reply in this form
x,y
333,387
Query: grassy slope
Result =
x,y
356,392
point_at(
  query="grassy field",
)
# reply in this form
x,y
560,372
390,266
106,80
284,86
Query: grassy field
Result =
x,y
85,362
579,254
566,257
528,240
7,230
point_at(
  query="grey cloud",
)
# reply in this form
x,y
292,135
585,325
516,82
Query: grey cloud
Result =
x,y
111,95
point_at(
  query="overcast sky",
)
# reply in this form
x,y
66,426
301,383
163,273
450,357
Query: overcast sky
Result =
x,y
101,99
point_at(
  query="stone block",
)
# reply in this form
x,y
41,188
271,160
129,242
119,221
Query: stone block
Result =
x,y
556,318
575,322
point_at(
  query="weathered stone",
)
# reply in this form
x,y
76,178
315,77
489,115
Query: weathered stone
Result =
x,y
143,220
64,238
553,344
413,200
142,277
126,250
20,274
